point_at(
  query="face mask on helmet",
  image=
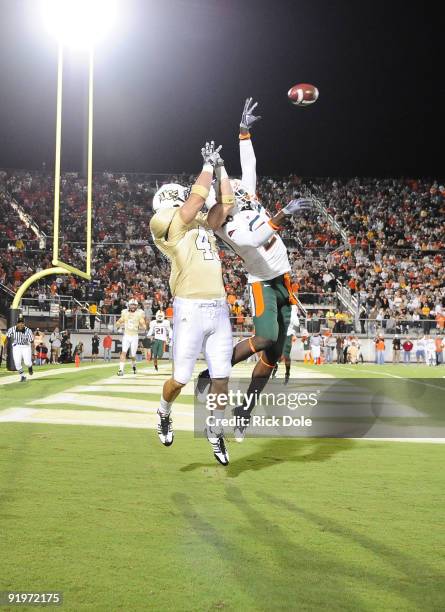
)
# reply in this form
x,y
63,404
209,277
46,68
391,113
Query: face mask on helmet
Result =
x,y
170,196
132,305
244,201
159,316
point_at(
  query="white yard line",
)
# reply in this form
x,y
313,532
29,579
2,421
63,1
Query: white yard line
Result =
x,y
418,381
140,413
182,422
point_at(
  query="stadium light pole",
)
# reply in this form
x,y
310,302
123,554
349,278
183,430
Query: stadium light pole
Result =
x,y
79,24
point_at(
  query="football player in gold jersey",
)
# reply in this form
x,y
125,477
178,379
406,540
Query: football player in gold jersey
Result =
x,y
131,319
201,317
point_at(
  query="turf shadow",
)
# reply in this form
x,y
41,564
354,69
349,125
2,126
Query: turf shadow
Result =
x,y
413,572
276,451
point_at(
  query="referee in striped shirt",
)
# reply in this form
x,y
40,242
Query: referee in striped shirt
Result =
x,y
21,339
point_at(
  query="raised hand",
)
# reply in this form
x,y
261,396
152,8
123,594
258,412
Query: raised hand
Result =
x,y
298,205
248,118
211,155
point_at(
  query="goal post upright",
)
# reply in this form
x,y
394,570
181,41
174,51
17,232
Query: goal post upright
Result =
x,y
61,267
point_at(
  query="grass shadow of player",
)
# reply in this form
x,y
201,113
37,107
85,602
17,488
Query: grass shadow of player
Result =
x,y
408,573
278,450
274,565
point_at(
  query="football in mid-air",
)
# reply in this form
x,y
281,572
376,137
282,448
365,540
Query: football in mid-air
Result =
x,y
303,94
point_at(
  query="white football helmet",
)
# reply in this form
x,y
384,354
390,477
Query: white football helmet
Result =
x,y
169,196
244,201
133,305
160,316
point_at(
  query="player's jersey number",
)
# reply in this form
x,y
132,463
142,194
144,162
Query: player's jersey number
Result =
x,y
203,244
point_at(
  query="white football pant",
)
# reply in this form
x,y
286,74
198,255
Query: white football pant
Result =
x,y
130,342
201,325
22,352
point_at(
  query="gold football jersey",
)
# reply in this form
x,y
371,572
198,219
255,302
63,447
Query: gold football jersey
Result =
x,y
132,321
196,268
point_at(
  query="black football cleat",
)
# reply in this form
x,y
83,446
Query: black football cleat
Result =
x,y
242,423
165,429
218,445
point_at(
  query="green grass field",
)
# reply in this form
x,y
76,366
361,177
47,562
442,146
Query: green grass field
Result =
x,y
104,513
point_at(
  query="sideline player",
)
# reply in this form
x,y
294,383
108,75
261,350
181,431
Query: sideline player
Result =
x,y
253,236
21,338
161,333
132,318
201,317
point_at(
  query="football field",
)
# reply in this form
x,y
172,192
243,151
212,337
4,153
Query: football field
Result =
x,y
91,504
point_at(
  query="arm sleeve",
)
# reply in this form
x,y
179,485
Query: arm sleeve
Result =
x,y
248,165
244,237
150,330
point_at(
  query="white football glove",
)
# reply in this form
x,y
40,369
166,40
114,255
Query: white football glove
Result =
x,y
298,205
211,155
247,118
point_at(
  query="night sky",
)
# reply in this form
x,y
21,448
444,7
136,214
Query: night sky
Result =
x,y
176,72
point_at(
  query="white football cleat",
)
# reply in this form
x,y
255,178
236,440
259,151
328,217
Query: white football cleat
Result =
x,y
165,429
242,423
120,372
218,445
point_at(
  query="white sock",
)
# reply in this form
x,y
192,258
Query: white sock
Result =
x,y
165,407
121,366
217,428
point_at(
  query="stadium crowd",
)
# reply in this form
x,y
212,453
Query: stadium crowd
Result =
x,y
392,261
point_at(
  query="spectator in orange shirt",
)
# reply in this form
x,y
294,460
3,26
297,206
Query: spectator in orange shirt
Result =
x,y
380,350
440,320
107,344
439,350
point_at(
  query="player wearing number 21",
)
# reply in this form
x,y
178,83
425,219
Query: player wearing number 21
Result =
x,y
201,319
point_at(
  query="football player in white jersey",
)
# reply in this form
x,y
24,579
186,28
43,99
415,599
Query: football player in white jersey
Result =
x,y
201,317
131,319
161,332
253,236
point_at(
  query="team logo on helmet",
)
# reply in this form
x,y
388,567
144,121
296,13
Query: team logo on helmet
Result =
x,y
170,195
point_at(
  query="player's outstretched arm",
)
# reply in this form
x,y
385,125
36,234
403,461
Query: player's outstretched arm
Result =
x,y
225,199
201,188
247,154
295,206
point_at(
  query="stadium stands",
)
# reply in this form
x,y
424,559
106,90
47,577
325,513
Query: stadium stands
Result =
x,y
372,249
